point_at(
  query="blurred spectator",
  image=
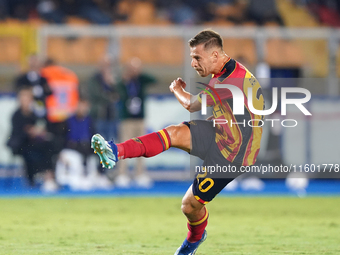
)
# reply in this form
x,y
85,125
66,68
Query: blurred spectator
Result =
x,y
77,165
263,11
181,13
63,102
240,11
223,10
207,12
132,91
50,11
94,11
121,10
21,9
64,84
71,7
80,129
30,139
327,12
39,85
4,12
103,96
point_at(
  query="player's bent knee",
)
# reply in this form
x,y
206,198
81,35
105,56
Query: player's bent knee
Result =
x,y
179,136
187,209
173,132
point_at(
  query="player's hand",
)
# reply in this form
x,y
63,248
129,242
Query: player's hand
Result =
x,y
177,84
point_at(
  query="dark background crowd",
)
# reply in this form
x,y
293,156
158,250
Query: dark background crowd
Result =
x,y
176,12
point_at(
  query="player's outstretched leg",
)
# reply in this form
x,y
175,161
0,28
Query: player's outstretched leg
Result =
x,y
144,146
197,216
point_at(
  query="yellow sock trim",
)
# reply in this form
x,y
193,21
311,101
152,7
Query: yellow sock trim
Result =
x,y
195,223
165,139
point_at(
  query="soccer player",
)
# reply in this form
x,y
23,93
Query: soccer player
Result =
x,y
232,143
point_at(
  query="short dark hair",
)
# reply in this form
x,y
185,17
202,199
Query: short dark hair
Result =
x,y
208,37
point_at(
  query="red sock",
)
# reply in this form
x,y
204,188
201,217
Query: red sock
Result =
x,y
196,228
147,145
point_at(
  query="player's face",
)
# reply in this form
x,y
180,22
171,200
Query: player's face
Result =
x,y
201,60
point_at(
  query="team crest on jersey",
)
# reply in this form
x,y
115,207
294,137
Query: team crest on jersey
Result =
x,y
192,122
137,140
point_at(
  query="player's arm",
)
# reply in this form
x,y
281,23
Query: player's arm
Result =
x,y
187,100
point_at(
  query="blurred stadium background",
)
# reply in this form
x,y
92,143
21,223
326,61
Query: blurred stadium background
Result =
x,y
294,40
283,42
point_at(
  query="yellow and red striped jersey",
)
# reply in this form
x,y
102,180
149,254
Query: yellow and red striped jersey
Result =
x,y
239,143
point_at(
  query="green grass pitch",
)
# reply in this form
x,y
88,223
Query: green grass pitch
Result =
x,y
237,225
